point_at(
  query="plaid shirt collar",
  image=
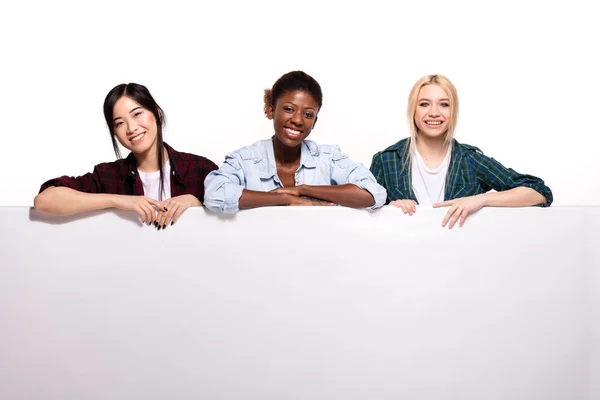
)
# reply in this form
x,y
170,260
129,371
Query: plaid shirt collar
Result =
x,y
178,169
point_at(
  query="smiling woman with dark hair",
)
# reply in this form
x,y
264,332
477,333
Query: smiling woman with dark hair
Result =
x,y
154,180
287,169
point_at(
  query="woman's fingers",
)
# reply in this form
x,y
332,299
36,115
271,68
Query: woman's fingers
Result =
x,y
321,203
458,213
148,211
168,216
177,214
159,218
452,221
170,210
448,215
142,213
153,203
407,206
166,205
463,217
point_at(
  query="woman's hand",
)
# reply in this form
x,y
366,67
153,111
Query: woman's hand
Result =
x,y
408,206
294,197
144,206
460,209
304,201
171,209
293,190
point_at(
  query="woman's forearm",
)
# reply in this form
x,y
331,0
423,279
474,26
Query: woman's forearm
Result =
x,y
254,199
67,201
517,197
348,195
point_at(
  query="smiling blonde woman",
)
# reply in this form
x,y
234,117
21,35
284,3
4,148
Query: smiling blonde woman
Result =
x,y
432,168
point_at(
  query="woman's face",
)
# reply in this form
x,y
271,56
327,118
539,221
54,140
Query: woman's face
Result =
x,y
294,116
432,114
134,125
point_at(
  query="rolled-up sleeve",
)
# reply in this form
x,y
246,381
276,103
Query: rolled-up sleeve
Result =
x,y
493,175
223,187
344,170
376,169
89,183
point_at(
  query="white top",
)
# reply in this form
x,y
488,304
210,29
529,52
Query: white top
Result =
x,y
151,183
429,184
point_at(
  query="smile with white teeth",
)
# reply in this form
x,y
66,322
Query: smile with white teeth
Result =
x,y
433,122
137,138
292,132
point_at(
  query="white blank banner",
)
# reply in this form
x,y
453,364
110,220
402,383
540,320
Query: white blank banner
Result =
x,y
301,303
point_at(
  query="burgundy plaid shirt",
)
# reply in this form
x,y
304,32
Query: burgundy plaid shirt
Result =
x,y
121,177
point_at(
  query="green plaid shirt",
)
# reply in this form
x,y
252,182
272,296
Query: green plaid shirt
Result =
x,y
470,173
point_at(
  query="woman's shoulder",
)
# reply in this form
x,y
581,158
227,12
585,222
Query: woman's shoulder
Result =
x,y
254,151
319,148
122,165
103,173
466,147
400,145
328,152
467,150
392,151
187,158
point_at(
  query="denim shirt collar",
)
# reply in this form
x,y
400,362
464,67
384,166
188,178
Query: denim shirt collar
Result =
x,y
309,151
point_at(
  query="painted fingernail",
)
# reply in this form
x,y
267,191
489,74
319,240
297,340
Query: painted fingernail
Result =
x,y
164,226
165,208
172,222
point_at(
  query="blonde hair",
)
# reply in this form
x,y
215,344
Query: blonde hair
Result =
x,y
413,99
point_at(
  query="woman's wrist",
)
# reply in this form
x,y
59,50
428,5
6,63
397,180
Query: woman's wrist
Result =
x,y
304,190
113,200
284,199
192,201
484,198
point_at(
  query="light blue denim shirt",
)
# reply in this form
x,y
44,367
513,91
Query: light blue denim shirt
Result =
x,y
253,167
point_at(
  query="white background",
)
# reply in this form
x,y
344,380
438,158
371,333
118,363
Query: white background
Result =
x,y
526,73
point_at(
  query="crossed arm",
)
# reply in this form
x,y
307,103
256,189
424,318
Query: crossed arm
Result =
x,y
348,195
